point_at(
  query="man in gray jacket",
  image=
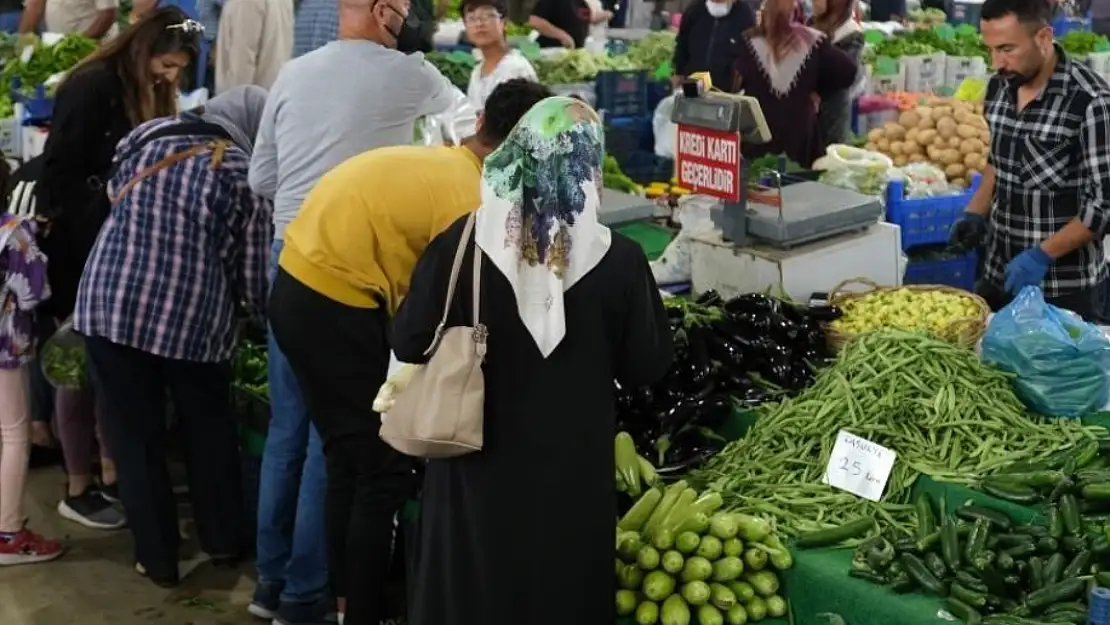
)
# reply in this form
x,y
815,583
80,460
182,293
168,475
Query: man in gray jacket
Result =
x,y
351,95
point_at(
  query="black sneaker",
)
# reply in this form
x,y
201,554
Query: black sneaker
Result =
x,y
92,510
109,492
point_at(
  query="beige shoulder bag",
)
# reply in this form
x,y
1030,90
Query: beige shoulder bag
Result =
x,y
440,413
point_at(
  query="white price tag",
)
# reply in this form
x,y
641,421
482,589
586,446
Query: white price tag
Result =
x,y
859,466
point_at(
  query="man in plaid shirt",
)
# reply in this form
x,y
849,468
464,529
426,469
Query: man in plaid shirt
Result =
x,y
1046,190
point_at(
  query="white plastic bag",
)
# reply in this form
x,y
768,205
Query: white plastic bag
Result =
x,y
854,168
694,215
665,129
449,127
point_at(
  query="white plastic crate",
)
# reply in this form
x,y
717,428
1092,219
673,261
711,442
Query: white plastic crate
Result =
x,y
878,84
959,68
585,90
924,73
11,141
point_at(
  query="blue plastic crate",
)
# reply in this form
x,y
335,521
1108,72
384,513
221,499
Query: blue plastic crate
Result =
x,y
622,93
645,167
955,272
925,221
656,91
964,12
626,135
1064,25
36,108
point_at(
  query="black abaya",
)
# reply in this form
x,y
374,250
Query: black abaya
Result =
x,y
522,532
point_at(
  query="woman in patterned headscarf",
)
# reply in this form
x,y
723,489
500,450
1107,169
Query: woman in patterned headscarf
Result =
x,y
522,531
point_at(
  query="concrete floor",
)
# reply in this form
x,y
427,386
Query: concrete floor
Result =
x,y
94,583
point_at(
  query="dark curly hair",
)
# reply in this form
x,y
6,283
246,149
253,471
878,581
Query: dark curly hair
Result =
x,y
506,104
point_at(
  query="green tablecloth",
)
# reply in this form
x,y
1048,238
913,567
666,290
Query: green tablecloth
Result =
x,y
652,237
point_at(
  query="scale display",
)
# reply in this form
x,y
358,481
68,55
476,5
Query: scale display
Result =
x,y
705,113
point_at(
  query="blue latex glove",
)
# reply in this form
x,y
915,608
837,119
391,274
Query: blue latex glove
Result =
x,y
1027,269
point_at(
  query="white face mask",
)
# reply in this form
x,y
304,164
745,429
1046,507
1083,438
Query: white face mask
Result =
x,y
718,9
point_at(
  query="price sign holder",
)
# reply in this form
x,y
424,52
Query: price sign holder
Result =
x,y
711,129
859,466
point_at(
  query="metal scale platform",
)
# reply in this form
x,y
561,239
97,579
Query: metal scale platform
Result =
x,y
795,212
784,212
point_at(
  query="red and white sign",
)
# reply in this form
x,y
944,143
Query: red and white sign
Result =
x,y
708,162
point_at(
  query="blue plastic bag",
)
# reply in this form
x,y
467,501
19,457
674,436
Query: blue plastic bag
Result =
x,y
1060,361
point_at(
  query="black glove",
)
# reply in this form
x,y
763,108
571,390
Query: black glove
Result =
x,y
967,233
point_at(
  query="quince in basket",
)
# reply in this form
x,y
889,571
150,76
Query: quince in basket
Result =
x,y
920,311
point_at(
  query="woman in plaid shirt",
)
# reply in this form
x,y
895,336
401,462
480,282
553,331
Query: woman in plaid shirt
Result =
x,y
185,245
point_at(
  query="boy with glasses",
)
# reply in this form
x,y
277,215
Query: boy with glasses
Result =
x,y
485,28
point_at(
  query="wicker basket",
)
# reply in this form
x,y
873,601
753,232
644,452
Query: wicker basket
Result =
x,y
965,332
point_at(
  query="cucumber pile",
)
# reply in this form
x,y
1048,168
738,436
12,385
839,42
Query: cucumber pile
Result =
x,y
682,560
989,569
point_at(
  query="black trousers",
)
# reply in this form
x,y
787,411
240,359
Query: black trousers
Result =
x,y
340,355
1087,303
134,384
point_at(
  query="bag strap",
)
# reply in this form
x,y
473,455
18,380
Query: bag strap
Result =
x,y
217,147
480,332
456,265
189,126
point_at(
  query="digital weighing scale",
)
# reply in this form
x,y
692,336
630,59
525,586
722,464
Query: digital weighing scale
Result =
x,y
783,234
783,213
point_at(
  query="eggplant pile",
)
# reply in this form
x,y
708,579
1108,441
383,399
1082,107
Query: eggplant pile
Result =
x,y
742,351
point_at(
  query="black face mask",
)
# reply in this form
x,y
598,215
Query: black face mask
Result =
x,y
409,28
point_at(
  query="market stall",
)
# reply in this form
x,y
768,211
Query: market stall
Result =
x,y
852,460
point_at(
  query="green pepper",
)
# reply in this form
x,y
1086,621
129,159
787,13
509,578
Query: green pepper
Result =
x,y
880,553
926,520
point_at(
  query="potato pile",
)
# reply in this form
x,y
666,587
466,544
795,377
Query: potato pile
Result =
x,y
950,134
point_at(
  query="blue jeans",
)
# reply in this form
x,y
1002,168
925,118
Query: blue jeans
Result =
x,y
292,547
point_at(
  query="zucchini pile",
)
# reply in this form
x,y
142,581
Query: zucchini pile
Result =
x,y
989,569
1081,471
679,558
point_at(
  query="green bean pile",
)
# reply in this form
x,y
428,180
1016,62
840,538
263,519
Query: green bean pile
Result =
x,y
944,413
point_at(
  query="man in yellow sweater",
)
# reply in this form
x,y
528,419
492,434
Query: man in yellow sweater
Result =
x,y
348,257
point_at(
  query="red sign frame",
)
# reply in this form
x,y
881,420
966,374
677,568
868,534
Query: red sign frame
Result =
x,y
708,162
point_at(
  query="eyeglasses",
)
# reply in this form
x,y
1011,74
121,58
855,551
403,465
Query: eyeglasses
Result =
x,y
477,19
